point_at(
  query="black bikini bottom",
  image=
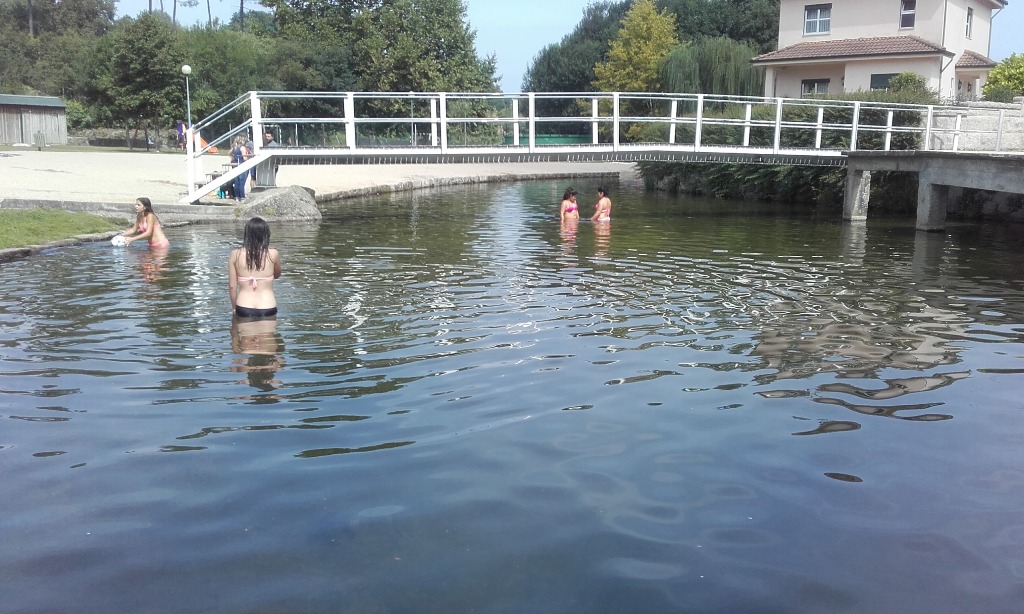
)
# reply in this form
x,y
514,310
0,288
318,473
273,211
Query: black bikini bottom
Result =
x,y
250,312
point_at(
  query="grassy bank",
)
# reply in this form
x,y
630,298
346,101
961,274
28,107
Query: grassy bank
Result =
x,y
21,228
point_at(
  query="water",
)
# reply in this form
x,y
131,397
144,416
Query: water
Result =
x,y
705,407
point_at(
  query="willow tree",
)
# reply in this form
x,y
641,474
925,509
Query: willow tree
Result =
x,y
713,66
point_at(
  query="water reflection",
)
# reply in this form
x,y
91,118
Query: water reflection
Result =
x,y
263,349
602,238
567,233
846,340
152,263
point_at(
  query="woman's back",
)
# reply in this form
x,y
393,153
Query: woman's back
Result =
x,y
255,284
252,270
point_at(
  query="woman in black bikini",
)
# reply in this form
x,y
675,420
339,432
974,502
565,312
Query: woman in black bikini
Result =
x,y
252,270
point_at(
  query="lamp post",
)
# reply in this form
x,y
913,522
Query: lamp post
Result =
x,y
190,168
187,70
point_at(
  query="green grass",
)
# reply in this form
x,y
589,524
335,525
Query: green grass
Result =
x,y
21,228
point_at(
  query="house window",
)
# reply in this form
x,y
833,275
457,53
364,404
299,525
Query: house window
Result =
x,y
817,19
813,87
881,81
970,21
908,10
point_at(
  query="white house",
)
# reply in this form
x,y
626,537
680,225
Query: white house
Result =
x,y
851,45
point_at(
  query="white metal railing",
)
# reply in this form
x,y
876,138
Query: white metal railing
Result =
x,y
431,126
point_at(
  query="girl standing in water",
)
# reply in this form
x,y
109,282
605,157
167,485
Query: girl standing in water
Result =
x,y
603,208
569,210
147,226
252,270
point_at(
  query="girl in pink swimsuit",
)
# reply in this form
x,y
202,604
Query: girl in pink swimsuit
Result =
x,y
147,226
569,210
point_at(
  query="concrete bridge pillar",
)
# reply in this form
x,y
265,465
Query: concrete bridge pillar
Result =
x,y
932,197
858,191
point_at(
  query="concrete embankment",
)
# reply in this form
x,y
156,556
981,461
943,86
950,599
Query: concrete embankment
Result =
x,y
111,181
107,183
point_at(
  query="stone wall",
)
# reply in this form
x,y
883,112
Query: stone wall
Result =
x,y
984,126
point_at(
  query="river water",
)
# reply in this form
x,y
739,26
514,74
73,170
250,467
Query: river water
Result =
x,y
464,407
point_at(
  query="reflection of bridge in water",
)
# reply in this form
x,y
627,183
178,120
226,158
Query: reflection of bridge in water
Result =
x,y
976,147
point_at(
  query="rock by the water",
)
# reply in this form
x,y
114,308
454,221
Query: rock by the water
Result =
x,y
292,203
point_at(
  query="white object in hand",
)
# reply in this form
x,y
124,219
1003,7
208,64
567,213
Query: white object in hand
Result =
x,y
118,240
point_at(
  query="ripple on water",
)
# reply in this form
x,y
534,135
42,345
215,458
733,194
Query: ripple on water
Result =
x,y
465,405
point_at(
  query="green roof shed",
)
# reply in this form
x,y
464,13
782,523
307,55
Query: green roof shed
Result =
x,y
35,120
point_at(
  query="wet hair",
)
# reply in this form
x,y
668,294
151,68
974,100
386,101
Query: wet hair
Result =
x,y
569,192
256,242
603,190
147,205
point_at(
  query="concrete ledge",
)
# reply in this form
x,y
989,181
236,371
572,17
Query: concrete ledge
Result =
x,y
421,183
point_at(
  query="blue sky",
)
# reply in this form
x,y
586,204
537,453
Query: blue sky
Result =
x,y
516,30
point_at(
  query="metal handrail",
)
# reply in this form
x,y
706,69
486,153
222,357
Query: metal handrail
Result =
x,y
449,123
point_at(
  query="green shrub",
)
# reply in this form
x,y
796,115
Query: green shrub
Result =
x,y
999,92
78,116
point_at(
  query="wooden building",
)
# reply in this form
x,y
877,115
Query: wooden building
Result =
x,y
25,118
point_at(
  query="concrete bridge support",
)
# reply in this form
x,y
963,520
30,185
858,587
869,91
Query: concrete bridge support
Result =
x,y
932,200
858,192
936,172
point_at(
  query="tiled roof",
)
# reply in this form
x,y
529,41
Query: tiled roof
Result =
x,y
971,59
853,48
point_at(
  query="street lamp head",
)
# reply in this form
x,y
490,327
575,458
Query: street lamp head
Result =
x,y
186,70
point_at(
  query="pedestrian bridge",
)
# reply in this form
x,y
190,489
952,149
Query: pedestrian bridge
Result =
x,y
443,127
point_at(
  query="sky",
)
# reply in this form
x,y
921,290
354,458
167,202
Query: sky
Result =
x,y
516,30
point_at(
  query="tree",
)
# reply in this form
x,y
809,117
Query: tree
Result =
x,y
53,17
257,22
419,45
753,22
638,50
50,62
1007,75
142,79
568,66
225,63
17,50
713,66
750,22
